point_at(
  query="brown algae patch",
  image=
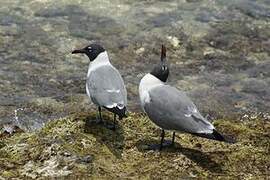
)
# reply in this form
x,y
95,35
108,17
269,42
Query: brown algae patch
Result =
x,y
76,146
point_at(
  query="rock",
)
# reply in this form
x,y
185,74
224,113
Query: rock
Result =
x,y
57,151
86,159
9,128
140,50
174,41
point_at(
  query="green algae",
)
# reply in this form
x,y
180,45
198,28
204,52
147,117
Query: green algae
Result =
x,y
78,147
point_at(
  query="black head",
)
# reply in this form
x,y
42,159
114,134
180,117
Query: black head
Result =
x,y
161,71
92,51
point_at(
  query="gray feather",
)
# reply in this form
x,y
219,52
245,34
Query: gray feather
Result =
x,y
106,87
171,109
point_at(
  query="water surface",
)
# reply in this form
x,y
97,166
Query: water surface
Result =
x,y
218,53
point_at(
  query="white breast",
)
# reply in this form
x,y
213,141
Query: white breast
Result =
x,y
101,60
147,83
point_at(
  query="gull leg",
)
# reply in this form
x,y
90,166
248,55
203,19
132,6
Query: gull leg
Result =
x,y
114,120
100,116
162,139
173,138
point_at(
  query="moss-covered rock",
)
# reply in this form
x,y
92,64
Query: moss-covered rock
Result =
x,y
78,147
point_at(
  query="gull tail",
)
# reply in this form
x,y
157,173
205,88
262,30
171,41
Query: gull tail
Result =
x,y
215,136
120,112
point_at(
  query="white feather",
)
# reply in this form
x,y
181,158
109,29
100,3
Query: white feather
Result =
x,y
101,60
113,90
147,83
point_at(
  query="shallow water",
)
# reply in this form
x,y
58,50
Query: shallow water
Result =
x,y
218,52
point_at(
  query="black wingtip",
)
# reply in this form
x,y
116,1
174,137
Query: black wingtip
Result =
x,y
120,112
220,137
216,136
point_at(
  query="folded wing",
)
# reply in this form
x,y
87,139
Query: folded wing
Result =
x,y
106,88
171,109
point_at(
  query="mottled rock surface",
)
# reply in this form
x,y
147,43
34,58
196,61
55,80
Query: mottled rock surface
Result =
x,y
76,147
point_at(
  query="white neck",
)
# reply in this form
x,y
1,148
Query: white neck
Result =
x,y
101,59
149,81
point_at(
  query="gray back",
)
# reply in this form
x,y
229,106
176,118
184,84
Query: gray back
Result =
x,y
106,87
171,109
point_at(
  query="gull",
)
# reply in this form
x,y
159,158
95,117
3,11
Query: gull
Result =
x,y
170,108
104,84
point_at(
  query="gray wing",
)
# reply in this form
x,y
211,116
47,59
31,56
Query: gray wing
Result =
x,y
106,87
171,109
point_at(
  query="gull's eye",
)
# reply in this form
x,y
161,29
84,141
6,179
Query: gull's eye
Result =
x,y
89,49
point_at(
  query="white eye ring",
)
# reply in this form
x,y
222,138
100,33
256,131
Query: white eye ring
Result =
x,y
89,49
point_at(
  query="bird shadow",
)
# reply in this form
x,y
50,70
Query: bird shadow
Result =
x,y
202,159
112,139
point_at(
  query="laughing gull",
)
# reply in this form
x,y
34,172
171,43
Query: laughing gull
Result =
x,y
171,109
104,84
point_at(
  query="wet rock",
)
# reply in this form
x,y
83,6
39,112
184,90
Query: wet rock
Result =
x,y
10,128
140,50
204,17
256,86
224,38
86,159
193,1
174,41
164,19
260,71
252,9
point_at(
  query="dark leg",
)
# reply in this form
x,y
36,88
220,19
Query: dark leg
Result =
x,y
173,138
162,139
114,119
100,116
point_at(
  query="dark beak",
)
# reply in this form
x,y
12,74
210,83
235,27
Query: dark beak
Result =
x,y
163,53
78,51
